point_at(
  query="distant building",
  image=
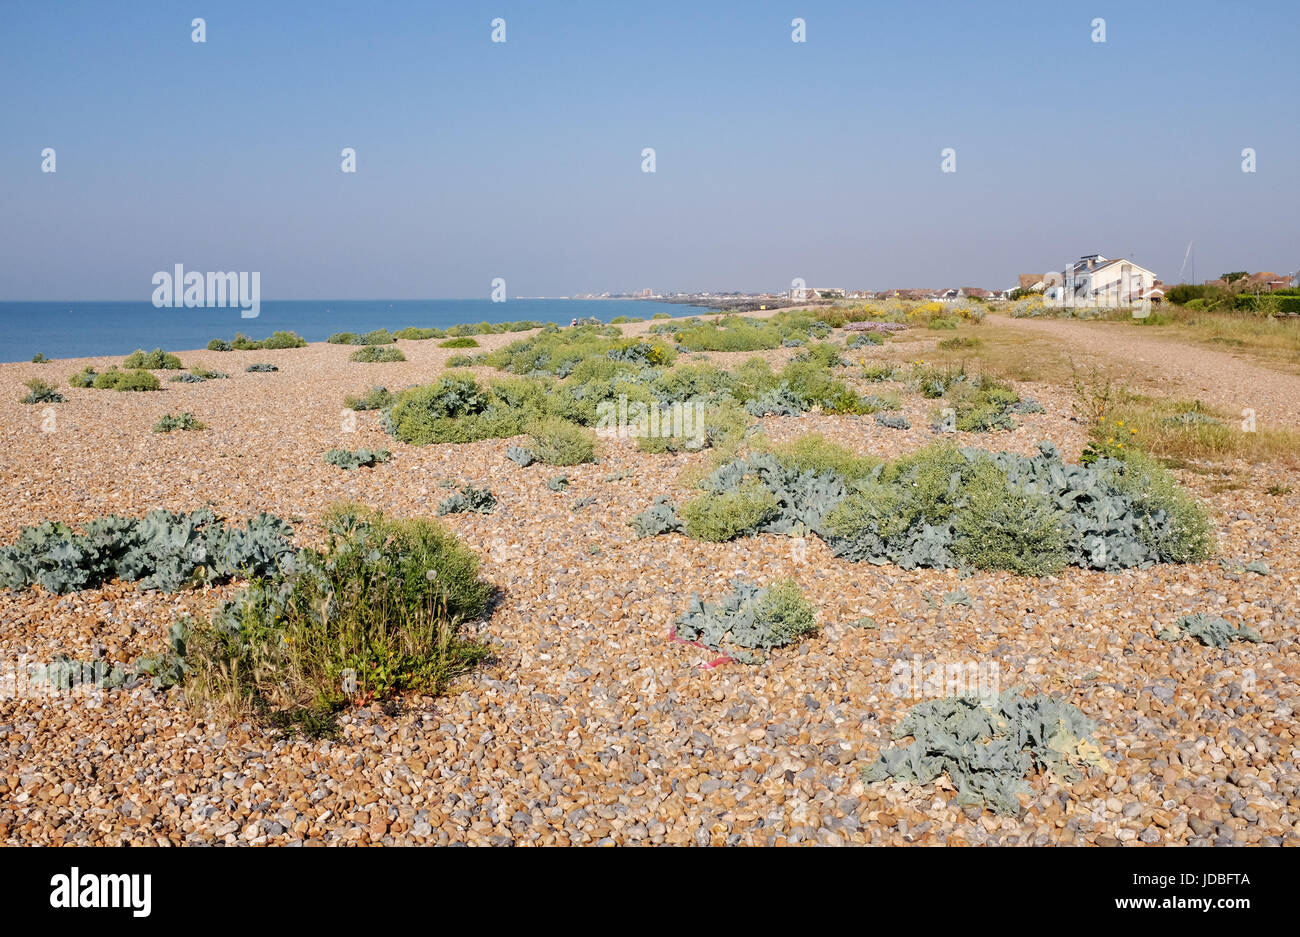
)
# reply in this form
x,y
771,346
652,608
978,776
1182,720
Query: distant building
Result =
x,y
1093,280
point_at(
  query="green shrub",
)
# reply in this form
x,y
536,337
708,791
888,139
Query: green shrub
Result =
x,y
39,391
943,322
285,340
959,341
156,360
731,333
414,334
456,409
126,380
382,607
720,517
186,420
343,338
243,343
460,361
813,452
661,315
376,337
1005,526
219,344
556,441
377,398
374,354
1170,522
260,367
625,320
83,378
40,358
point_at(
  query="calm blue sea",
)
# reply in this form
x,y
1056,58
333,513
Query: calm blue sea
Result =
x,y
82,330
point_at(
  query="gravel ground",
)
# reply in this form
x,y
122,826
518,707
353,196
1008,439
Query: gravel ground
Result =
x,y
1171,368
590,726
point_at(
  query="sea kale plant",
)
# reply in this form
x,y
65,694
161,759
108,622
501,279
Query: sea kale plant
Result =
x,y
39,391
750,618
947,507
162,551
360,458
988,748
469,499
1210,630
186,421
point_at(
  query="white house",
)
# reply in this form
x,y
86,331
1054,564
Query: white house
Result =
x,y
1095,281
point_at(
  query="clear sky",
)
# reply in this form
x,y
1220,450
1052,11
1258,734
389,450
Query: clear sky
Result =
x,y
522,160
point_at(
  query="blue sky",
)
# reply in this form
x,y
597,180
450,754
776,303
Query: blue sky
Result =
x,y
522,160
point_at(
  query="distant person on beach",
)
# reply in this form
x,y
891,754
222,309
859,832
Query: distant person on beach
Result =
x,y
573,323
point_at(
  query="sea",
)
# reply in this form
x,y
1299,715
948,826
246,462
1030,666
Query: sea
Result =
x,y
90,329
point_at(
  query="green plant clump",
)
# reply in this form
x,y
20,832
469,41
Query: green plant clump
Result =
x,y
378,612
461,341
113,379
555,441
749,618
360,458
260,367
1210,630
186,420
377,398
39,391
988,748
374,354
469,498
156,360
944,507
162,551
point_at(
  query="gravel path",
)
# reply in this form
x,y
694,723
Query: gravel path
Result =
x,y
1176,368
591,726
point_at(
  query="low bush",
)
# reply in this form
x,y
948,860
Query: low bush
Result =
x,y
463,341
944,507
284,340
260,367
721,516
413,334
377,398
361,458
156,360
380,611
749,618
220,344
39,391
374,354
39,358
186,421
988,747
83,378
813,452
468,499
162,550
556,441
457,409
113,379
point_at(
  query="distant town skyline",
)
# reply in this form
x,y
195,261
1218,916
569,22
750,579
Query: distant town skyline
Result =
x,y
930,145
